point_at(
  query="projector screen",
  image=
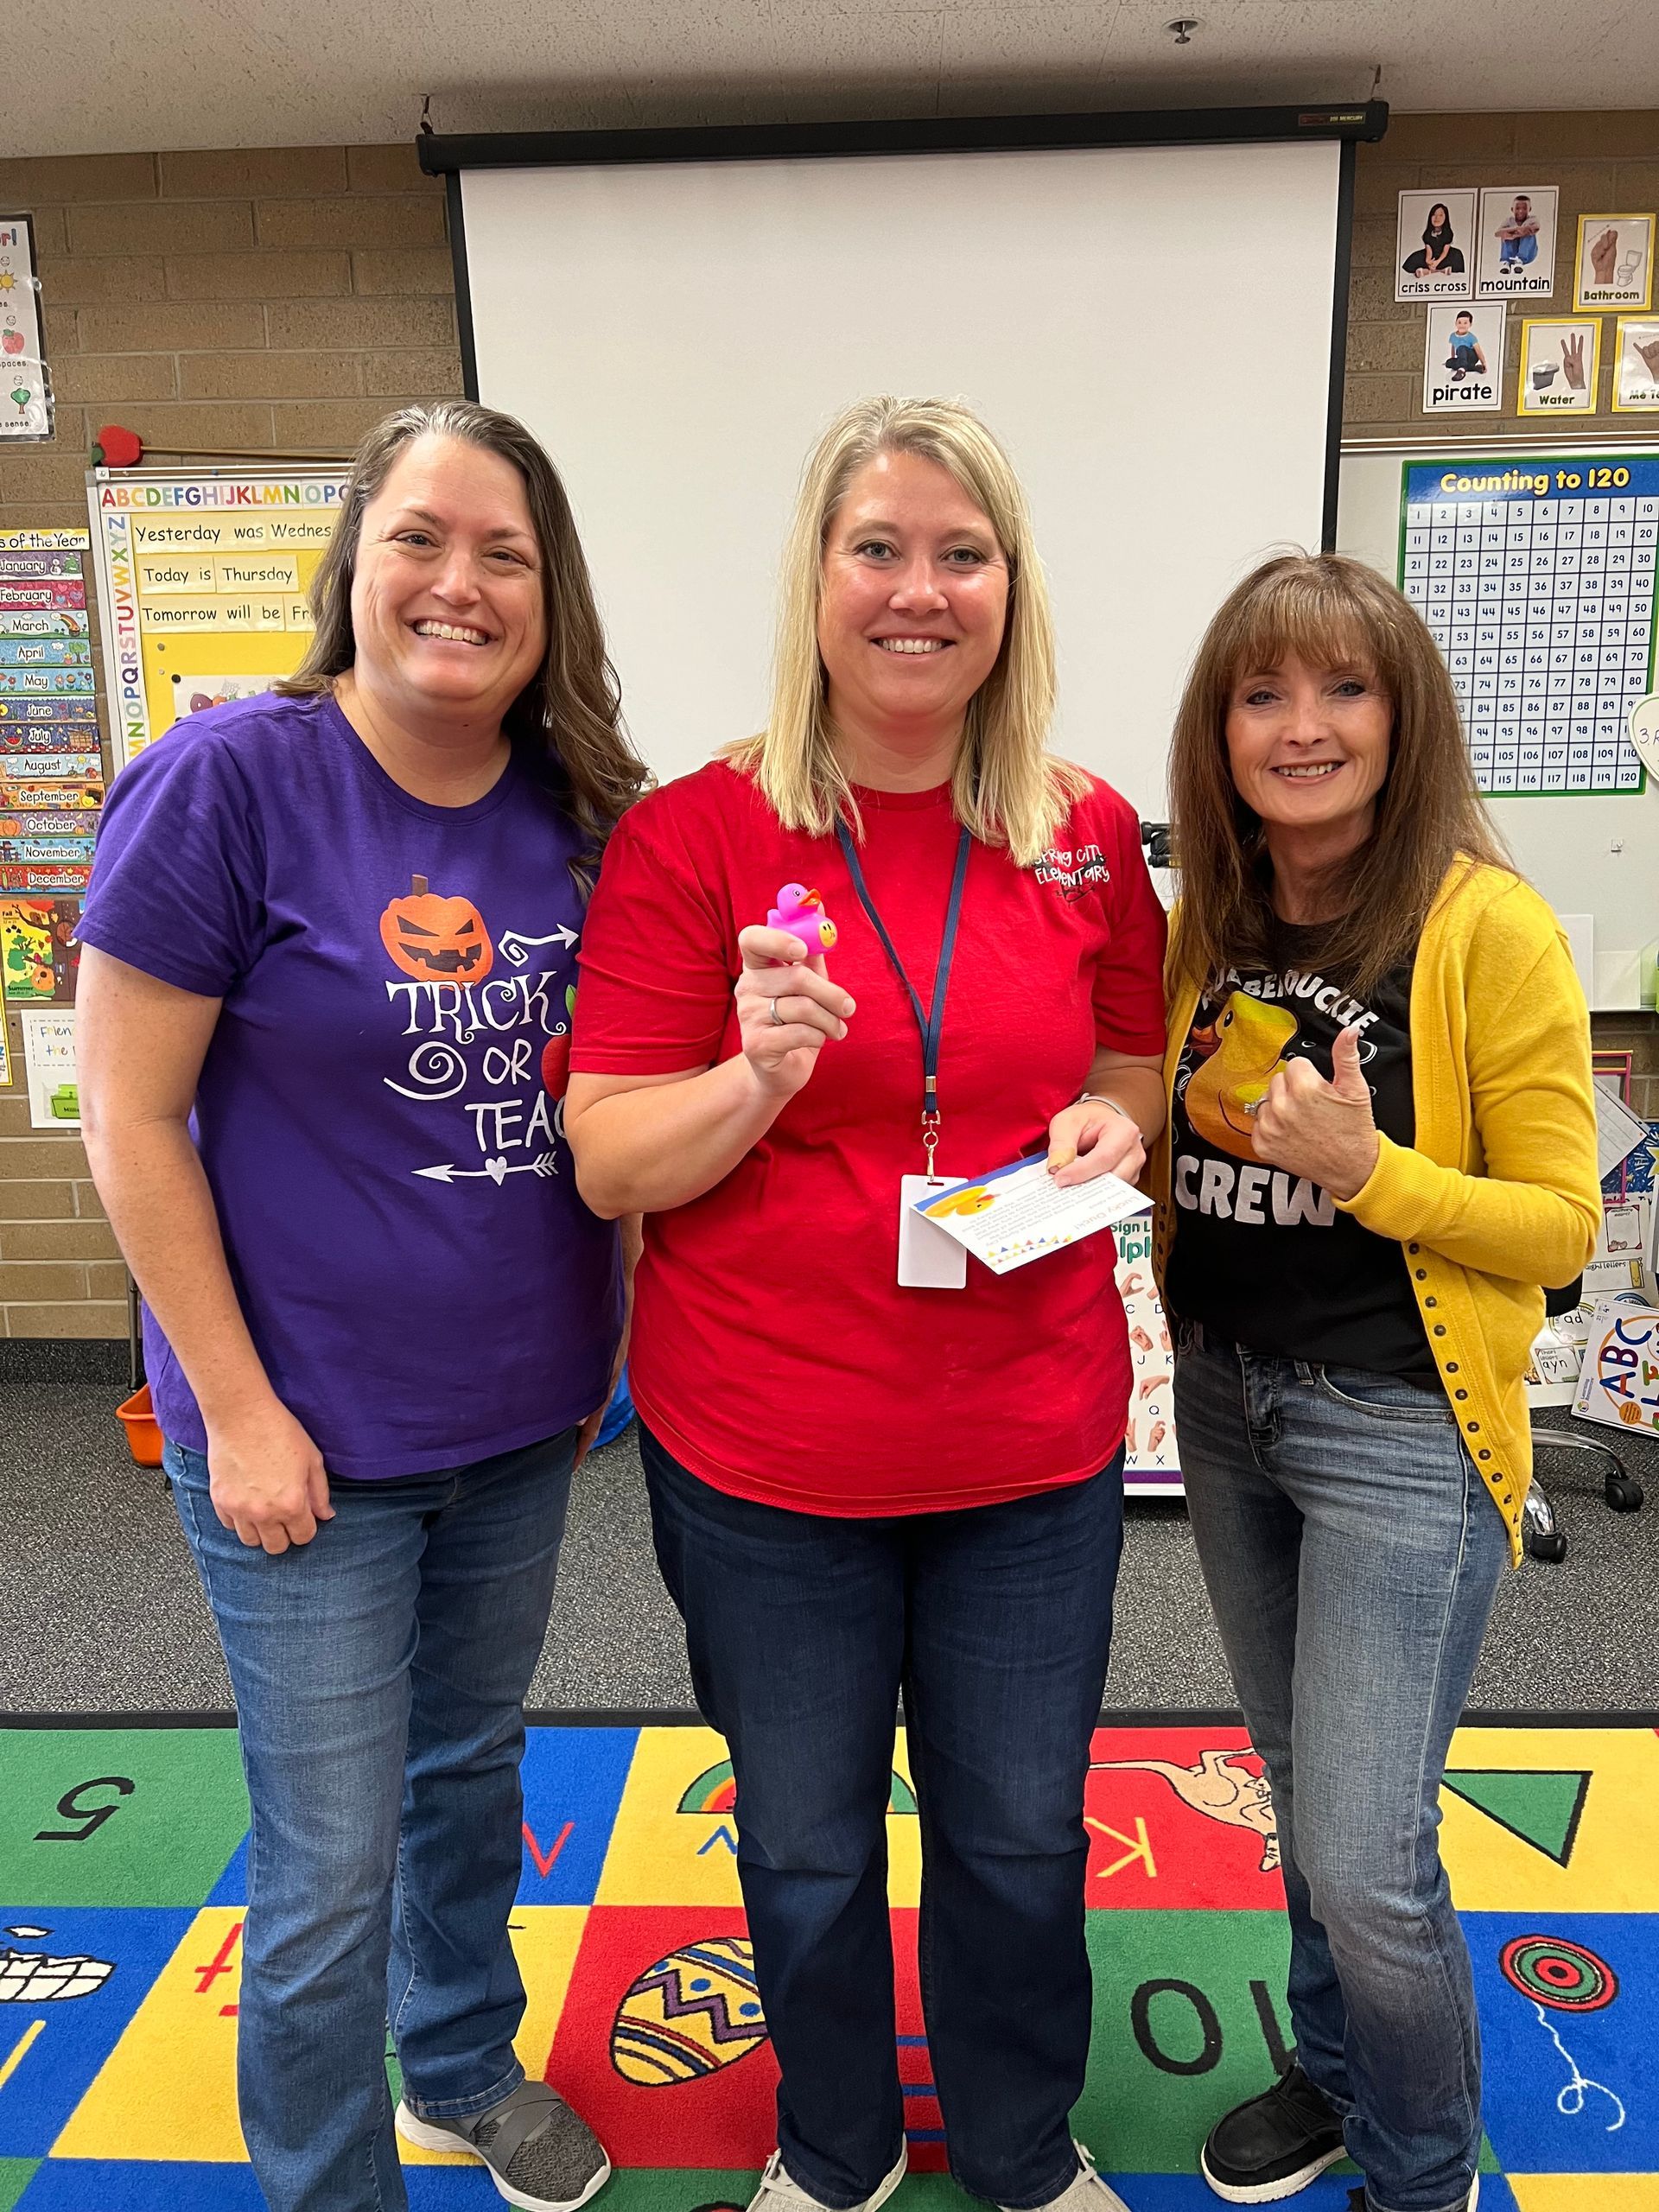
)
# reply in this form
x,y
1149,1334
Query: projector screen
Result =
x,y
1148,329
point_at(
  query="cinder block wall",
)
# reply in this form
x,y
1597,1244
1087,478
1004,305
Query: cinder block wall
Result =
x,y
287,298
283,298
1602,163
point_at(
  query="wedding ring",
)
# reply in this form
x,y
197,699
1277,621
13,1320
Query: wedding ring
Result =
x,y
775,1016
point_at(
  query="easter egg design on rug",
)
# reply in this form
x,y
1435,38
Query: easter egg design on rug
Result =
x,y
693,2012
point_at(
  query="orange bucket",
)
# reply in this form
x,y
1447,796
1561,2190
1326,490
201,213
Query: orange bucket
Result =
x,y
137,1417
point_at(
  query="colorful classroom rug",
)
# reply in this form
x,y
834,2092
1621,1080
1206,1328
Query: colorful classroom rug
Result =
x,y
122,1888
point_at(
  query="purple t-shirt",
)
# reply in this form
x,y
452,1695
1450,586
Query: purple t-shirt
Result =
x,y
397,1202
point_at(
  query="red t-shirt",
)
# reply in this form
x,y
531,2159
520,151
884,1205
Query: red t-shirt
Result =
x,y
773,1352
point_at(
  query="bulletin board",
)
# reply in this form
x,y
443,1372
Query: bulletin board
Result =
x,y
1574,813
204,576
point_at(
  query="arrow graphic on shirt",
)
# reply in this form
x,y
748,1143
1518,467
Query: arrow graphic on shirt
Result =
x,y
513,944
493,1171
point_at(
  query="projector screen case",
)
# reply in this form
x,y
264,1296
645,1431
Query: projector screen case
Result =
x,y
1149,310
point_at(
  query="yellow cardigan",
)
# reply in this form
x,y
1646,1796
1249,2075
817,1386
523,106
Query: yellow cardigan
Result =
x,y
1500,1192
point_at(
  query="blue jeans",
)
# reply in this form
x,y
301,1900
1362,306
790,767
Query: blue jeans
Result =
x,y
995,1622
1511,250
379,1674
1352,1554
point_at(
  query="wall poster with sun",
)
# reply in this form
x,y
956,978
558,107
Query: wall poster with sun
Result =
x,y
204,578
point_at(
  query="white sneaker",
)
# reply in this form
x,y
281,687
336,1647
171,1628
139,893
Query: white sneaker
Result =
x,y
1086,2193
778,2193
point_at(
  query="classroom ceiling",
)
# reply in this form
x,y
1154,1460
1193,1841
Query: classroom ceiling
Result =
x,y
89,76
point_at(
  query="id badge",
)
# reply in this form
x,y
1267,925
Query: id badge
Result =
x,y
928,1259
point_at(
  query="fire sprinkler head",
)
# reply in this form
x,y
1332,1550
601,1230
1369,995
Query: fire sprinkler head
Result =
x,y
1182,29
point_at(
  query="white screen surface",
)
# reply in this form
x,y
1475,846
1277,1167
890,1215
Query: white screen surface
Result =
x,y
1147,330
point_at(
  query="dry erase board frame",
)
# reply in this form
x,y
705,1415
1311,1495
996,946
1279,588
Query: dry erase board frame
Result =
x,y
1586,492
233,633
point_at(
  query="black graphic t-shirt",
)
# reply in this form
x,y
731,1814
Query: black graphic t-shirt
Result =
x,y
1263,1256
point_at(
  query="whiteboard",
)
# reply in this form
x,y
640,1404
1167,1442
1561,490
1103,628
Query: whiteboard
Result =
x,y
1595,856
1148,329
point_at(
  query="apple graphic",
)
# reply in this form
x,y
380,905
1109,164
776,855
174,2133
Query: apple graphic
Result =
x,y
11,340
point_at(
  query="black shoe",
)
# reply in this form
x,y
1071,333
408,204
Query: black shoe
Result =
x,y
1273,2145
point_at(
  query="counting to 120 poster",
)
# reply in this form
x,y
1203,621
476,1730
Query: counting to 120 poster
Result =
x,y
205,577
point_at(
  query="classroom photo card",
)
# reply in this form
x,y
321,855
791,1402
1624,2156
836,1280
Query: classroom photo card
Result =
x,y
1463,360
1560,364
1636,365
1517,242
1434,247
1615,261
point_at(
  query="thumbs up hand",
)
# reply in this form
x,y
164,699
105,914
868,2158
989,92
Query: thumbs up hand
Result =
x,y
1319,1129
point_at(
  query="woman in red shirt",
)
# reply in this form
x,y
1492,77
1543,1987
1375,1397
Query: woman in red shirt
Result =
x,y
869,1473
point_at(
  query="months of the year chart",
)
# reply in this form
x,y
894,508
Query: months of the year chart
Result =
x,y
1536,578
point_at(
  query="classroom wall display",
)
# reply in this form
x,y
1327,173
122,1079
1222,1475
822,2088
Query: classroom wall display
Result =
x,y
25,386
1560,364
1615,261
1536,575
1635,365
206,574
50,1067
1435,247
48,819
1463,358
1517,242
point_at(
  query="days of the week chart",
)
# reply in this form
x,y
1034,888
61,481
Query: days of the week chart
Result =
x,y
1536,578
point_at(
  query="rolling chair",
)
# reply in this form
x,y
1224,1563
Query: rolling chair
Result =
x,y
1544,1540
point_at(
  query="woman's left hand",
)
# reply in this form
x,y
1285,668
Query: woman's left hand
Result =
x,y
1319,1129
1088,1140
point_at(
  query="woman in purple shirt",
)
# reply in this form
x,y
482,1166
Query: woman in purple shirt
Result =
x,y
323,1006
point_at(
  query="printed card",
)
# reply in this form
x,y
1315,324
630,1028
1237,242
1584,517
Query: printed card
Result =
x,y
1619,1380
1017,1214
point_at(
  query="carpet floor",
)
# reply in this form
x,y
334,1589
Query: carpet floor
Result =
x,y
122,1889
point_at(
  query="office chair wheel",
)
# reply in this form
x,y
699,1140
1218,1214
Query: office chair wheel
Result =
x,y
1624,1495
1547,1544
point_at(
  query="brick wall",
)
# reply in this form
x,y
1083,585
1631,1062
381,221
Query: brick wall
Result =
x,y
289,296
1602,163
286,297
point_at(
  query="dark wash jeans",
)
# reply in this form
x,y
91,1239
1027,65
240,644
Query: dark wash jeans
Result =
x,y
379,1673
1352,1554
996,1621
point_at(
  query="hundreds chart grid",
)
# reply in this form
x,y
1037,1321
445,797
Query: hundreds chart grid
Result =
x,y
1536,578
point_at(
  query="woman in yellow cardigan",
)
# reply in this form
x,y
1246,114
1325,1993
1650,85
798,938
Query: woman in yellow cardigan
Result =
x,y
1381,1141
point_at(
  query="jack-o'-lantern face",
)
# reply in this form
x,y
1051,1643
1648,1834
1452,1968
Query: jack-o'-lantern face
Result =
x,y
437,940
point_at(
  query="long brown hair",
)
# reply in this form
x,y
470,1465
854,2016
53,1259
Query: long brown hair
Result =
x,y
1328,612
567,721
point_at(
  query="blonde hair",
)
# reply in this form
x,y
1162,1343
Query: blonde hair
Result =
x,y
1328,612
1006,788
568,720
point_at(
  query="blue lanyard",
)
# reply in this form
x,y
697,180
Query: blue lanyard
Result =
x,y
931,1025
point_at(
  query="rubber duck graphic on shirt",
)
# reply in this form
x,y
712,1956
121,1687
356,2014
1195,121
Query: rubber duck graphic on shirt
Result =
x,y
1243,1052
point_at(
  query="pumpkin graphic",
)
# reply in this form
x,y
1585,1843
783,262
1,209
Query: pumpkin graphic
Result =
x,y
431,937
555,1053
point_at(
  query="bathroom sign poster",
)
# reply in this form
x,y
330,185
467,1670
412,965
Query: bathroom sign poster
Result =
x,y
25,389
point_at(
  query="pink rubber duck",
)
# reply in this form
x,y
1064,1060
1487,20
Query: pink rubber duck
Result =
x,y
801,912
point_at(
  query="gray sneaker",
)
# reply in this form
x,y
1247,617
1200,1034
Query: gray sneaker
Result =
x,y
541,2156
1085,2192
779,2192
